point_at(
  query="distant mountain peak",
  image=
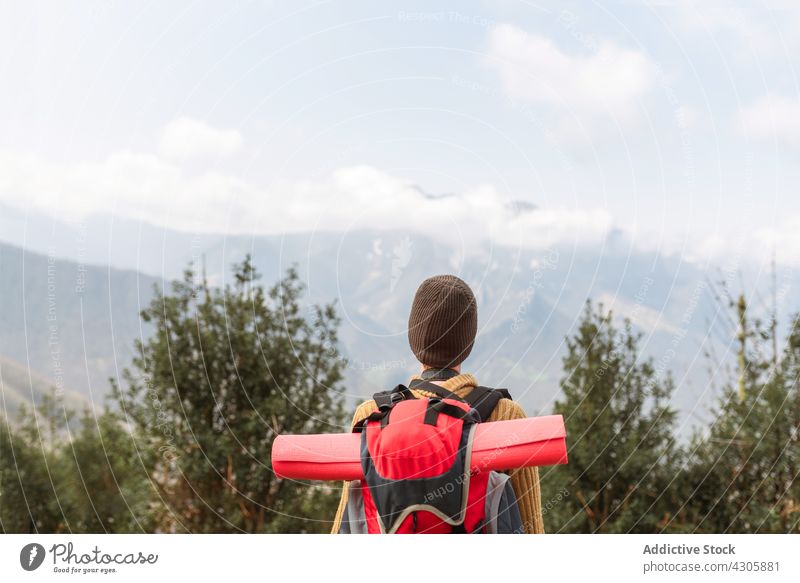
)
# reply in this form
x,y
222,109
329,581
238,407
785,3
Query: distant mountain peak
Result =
x,y
431,195
521,206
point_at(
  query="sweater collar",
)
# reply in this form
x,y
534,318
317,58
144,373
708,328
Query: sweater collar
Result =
x,y
460,384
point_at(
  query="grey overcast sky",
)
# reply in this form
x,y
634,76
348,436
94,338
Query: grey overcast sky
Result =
x,y
675,123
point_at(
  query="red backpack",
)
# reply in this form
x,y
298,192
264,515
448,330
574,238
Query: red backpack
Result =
x,y
415,455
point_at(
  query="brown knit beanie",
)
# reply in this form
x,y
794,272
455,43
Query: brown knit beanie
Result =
x,y
443,321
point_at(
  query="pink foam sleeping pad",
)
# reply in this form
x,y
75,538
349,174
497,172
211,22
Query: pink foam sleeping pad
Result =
x,y
499,445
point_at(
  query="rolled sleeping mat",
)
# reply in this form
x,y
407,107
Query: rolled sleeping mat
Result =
x,y
498,445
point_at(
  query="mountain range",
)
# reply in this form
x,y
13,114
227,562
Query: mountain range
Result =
x,y
71,293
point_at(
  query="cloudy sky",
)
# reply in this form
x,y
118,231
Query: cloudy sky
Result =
x,y
527,123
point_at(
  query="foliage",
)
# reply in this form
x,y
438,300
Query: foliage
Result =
x,y
59,478
621,448
226,371
742,472
185,444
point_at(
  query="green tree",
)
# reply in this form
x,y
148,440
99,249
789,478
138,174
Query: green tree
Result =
x,y
224,373
743,470
59,474
104,484
622,456
27,504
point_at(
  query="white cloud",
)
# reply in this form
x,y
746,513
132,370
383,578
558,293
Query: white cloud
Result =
x,y
189,138
757,246
363,197
151,188
782,239
607,81
754,246
686,117
155,189
774,118
764,29
137,186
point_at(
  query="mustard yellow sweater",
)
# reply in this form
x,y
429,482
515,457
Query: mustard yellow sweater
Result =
x,y
524,480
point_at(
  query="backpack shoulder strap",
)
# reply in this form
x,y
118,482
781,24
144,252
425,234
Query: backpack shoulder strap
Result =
x,y
485,399
385,401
